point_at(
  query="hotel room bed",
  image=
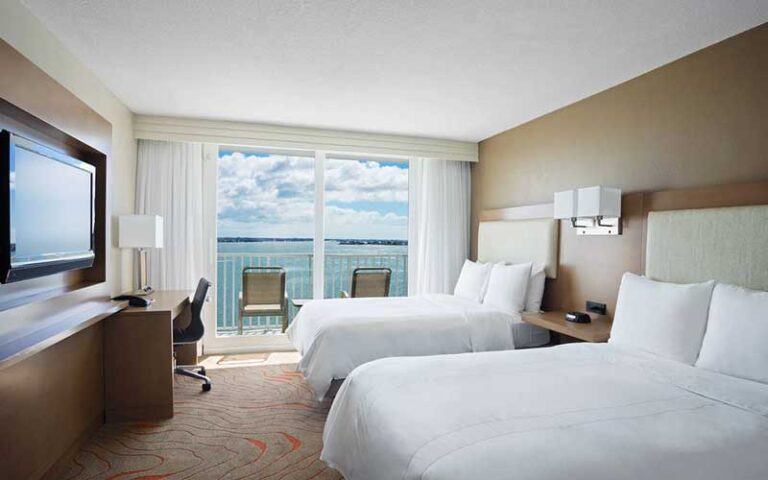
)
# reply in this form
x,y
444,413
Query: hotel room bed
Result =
x,y
334,336
679,392
577,411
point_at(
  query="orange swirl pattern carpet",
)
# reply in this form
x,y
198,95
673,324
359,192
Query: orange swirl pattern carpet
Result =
x,y
256,423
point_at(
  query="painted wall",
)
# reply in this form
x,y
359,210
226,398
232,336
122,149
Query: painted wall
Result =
x,y
698,121
26,34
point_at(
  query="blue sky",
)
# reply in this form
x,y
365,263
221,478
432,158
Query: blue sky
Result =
x,y
264,195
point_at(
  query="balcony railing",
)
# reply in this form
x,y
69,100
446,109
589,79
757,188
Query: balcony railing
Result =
x,y
298,268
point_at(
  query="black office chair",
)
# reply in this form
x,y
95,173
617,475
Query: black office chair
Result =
x,y
192,333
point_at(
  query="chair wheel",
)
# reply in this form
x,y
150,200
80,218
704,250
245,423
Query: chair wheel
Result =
x,y
201,371
206,387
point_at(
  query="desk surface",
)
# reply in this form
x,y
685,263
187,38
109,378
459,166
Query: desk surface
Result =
x,y
172,301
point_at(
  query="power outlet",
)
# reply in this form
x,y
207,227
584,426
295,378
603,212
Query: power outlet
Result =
x,y
595,307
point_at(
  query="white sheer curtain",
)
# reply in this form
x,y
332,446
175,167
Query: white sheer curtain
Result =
x,y
438,224
169,183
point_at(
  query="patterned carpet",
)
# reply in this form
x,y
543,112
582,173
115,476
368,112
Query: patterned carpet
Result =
x,y
257,423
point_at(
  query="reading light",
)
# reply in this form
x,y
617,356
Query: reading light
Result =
x,y
598,208
141,232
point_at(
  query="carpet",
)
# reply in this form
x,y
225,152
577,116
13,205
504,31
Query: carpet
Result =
x,y
257,422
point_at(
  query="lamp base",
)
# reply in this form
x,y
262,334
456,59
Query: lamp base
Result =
x,y
144,291
144,288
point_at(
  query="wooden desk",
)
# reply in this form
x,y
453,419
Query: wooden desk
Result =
x,y
138,358
599,330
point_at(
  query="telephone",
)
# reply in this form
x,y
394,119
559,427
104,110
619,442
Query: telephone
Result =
x,y
135,300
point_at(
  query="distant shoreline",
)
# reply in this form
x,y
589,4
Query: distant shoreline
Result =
x,y
342,241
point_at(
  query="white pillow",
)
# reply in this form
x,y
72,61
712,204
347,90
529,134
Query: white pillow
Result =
x,y
535,290
507,286
736,340
667,319
473,280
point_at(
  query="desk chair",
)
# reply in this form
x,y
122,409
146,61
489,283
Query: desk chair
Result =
x,y
263,295
192,333
369,282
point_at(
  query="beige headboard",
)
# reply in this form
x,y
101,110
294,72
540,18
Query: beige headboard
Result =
x,y
727,244
520,241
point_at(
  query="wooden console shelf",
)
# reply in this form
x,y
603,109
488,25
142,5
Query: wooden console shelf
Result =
x,y
19,344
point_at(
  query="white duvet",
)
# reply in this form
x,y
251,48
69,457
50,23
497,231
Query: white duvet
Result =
x,y
335,336
571,412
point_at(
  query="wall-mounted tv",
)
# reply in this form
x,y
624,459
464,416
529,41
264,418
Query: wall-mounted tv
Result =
x,y
46,210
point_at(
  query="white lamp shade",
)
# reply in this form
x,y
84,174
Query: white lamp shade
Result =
x,y
565,204
598,202
140,231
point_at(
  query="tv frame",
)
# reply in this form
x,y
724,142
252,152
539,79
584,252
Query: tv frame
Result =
x,y
10,272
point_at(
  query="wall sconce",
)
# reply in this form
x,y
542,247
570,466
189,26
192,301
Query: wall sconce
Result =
x,y
592,210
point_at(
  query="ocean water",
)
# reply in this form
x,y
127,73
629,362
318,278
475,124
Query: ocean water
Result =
x,y
296,258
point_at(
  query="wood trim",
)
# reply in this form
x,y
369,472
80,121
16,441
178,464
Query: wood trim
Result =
x,y
138,358
590,268
63,463
525,212
49,403
19,121
310,139
17,346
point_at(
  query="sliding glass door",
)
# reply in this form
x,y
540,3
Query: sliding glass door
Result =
x,y
313,216
366,221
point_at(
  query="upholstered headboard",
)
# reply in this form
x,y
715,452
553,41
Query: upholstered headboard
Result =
x,y
520,241
727,244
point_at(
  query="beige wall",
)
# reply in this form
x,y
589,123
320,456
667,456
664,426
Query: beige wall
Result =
x,y
698,121
26,34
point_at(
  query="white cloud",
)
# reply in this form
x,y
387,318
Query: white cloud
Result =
x,y
350,181
273,196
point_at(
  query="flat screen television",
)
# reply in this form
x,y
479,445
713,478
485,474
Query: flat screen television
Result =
x,y
46,210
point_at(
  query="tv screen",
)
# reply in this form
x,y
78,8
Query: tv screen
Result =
x,y
49,222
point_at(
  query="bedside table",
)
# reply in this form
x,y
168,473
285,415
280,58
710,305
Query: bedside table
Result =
x,y
599,330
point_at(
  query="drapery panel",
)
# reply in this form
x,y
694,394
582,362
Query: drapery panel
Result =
x,y
438,224
170,184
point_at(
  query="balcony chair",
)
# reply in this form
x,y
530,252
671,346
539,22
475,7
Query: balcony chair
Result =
x,y
369,282
192,333
263,295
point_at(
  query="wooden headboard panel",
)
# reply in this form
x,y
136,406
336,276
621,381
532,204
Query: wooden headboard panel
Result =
x,y
591,267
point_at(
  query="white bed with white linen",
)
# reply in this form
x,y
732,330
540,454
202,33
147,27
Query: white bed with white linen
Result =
x,y
335,336
577,411
679,392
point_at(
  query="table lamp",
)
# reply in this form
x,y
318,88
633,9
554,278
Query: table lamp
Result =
x,y
142,232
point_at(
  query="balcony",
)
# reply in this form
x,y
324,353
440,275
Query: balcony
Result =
x,y
298,268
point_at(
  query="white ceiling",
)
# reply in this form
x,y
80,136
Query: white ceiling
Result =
x,y
458,69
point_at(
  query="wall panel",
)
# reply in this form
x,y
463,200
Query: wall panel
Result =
x,y
699,121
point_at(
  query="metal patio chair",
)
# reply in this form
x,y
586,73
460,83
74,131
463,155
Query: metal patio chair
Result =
x,y
369,282
263,295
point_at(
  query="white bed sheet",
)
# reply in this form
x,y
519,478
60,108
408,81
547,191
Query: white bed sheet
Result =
x,y
335,336
573,412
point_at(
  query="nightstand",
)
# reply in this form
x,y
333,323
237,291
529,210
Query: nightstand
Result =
x,y
599,330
